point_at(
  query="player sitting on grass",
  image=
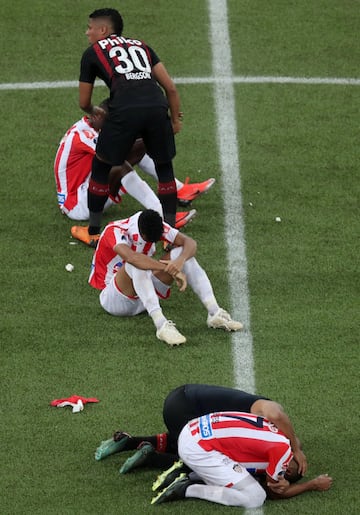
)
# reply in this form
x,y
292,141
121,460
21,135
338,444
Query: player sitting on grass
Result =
x,y
131,281
72,169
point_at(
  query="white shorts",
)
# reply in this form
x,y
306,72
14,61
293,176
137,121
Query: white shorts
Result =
x,y
213,467
118,304
81,211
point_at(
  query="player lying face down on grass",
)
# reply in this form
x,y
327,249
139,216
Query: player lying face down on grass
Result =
x,y
181,405
132,281
189,401
221,449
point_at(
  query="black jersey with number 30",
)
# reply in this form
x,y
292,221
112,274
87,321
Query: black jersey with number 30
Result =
x,y
125,65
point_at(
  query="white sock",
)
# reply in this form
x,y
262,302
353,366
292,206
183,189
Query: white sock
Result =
x,y
147,166
158,318
145,290
199,282
141,191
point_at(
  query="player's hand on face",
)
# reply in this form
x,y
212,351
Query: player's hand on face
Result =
x,y
302,462
280,486
322,482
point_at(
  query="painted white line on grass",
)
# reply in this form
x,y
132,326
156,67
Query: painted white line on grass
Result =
x,y
241,79
234,225
230,167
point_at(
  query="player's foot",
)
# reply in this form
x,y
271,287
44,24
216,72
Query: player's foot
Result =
x,y
175,491
222,320
138,459
190,192
108,447
81,233
184,217
166,478
169,334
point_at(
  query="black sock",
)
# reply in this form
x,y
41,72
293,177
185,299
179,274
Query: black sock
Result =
x,y
135,441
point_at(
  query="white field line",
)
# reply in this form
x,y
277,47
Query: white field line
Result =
x,y
242,344
230,172
234,225
240,79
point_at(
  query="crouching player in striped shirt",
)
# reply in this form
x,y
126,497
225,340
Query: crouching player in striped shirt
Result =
x,y
131,280
222,448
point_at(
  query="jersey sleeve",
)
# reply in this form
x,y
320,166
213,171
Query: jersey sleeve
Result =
x,y
169,233
153,56
88,71
279,461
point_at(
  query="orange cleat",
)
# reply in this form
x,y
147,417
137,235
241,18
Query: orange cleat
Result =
x,y
184,217
81,233
190,192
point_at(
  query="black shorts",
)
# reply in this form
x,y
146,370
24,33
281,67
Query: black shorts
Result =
x,y
123,127
194,400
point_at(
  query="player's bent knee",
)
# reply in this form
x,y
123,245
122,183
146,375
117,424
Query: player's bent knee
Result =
x,y
254,493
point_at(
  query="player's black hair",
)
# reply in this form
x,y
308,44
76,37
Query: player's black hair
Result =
x,y
292,475
114,17
150,225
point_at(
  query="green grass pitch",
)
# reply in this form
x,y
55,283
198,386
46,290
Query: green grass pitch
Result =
x,y
299,159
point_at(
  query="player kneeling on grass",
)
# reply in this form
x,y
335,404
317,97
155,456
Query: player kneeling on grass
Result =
x,y
220,448
131,280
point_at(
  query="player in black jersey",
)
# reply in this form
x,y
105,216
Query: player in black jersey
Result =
x,y
137,108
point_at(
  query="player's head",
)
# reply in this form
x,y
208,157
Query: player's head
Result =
x,y
103,23
98,121
104,104
292,472
150,225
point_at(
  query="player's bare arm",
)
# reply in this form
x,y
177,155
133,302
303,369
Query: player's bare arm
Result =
x,y
144,262
163,78
274,412
320,484
141,261
85,95
189,247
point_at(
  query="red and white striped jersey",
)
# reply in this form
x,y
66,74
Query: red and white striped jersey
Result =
x,y
252,441
106,262
73,161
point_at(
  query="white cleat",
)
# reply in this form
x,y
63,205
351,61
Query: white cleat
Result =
x,y
222,320
169,334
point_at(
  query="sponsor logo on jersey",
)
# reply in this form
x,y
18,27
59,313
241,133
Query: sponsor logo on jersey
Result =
x,y
117,267
117,40
205,427
61,198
